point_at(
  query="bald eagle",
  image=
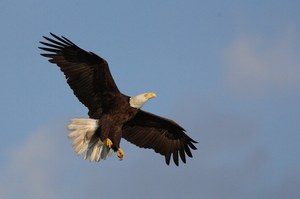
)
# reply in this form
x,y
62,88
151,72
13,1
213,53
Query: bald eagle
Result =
x,y
112,115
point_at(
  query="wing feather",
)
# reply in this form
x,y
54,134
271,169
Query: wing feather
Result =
x,y
87,74
164,136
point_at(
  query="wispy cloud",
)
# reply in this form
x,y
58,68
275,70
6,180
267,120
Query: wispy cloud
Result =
x,y
255,63
30,171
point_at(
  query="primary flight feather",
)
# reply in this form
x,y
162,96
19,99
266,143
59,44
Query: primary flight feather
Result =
x,y
112,115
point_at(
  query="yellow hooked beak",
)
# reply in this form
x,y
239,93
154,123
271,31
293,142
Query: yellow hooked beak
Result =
x,y
150,95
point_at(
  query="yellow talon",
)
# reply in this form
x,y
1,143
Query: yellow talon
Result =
x,y
121,154
108,142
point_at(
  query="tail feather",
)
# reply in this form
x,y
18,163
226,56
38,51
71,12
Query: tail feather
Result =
x,y
80,148
79,139
74,134
92,147
94,154
98,157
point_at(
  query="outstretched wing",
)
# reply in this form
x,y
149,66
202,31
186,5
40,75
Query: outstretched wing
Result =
x,y
87,74
166,137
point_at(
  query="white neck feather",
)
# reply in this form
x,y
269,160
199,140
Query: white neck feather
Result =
x,y
138,101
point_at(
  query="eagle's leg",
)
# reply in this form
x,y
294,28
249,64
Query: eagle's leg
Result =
x,y
121,154
109,143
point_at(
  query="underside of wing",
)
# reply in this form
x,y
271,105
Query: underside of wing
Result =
x,y
165,136
87,74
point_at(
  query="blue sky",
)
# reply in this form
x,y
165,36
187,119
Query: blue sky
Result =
x,y
226,71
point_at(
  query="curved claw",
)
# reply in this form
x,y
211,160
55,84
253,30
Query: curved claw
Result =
x,y
109,142
121,154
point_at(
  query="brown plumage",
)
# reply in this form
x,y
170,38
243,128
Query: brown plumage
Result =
x,y
89,77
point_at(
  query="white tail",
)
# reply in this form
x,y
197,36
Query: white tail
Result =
x,y
83,130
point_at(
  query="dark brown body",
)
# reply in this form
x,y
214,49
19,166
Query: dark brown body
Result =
x,y
114,117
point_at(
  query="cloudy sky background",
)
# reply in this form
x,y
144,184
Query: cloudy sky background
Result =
x,y
228,71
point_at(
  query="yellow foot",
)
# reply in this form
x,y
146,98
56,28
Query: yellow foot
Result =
x,y
108,142
121,154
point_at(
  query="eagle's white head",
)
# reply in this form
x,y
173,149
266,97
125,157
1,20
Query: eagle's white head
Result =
x,y
139,100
